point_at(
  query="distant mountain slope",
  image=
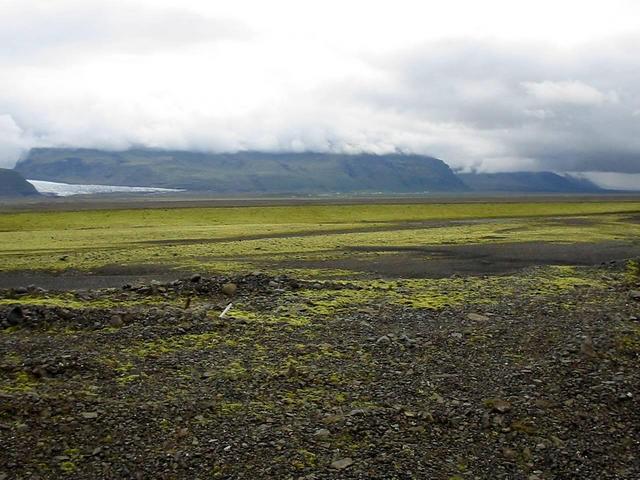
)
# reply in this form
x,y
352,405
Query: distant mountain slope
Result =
x,y
243,172
13,185
532,182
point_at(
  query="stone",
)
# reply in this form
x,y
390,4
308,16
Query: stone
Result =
x,y
15,315
476,317
330,419
509,453
196,278
635,294
341,464
587,348
229,289
404,338
356,412
322,433
485,421
383,340
500,406
89,415
20,290
116,321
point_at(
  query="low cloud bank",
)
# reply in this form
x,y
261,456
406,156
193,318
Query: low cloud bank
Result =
x,y
105,76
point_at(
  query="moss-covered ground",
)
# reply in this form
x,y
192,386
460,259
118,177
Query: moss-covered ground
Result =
x,y
527,374
235,239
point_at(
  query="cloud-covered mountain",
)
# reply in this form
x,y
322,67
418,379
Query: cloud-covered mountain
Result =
x,y
529,182
260,173
244,172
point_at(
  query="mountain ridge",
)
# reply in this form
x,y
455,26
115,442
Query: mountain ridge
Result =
x,y
530,182
12,184
244,172
255,172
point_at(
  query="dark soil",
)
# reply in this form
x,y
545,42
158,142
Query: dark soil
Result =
x,y
105,277
474,259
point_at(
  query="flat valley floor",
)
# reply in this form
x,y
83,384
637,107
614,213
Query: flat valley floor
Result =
x,y
389,340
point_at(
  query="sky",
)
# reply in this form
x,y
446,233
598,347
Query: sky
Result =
x,y
492,85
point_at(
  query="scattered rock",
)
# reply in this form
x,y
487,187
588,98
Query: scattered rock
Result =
x,y
331,419
499,405
587,348
404,338
402,384
356,412
116,321
509,453
322,433
229,289
15,316
476,317
341,464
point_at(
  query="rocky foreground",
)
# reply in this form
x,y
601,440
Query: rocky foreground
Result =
x,y
316,380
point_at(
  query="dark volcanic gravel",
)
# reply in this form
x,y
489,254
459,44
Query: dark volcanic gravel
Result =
x,y
148,382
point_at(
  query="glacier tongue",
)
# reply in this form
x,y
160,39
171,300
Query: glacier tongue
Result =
x,y
68,189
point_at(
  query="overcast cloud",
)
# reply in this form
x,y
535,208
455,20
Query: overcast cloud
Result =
x,y
493,85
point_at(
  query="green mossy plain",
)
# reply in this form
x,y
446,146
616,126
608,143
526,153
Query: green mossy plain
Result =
x,y
235,239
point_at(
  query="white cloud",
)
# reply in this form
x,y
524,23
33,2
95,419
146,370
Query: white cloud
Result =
x,y
65,31
13,141
570,92
614,180
479,84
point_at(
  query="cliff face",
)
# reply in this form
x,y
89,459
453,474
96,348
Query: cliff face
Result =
x,y
244,172
12,184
